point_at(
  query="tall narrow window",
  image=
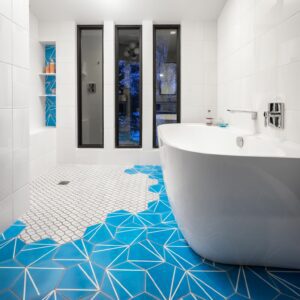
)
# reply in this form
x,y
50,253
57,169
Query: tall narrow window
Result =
x,y
166,76
128,87
90,86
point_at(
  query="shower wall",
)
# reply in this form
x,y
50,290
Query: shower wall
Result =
x,y
42,141
14,120
259,62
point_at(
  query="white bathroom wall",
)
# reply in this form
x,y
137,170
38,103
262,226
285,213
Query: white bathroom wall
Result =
x,y
42,139
198,88
36,58
259,62
14,121
199,70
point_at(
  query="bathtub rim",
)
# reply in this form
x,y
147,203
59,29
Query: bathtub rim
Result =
x,y
237,130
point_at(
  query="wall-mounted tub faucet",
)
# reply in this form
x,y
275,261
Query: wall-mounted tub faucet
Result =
x,y
274,117
253,113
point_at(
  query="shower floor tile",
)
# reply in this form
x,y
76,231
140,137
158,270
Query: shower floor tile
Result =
x,y
140,255
65,201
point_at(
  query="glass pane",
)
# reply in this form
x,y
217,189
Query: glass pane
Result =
x,y
128,88
91,87
166,77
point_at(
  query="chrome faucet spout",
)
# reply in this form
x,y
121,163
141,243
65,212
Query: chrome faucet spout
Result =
x,y
253,113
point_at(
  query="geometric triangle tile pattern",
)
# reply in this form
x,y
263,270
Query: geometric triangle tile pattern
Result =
x,y
131,256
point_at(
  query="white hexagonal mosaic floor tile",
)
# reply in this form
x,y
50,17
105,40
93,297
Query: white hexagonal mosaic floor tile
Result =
x,y
63,212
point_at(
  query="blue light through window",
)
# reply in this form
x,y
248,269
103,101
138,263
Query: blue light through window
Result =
x,y
128,88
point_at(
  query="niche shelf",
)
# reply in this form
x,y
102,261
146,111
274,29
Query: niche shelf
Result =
x,y
45,96
47,74
49,83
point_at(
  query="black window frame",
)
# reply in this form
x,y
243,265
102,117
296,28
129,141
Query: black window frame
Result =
x,y
80,28
178,58
117,144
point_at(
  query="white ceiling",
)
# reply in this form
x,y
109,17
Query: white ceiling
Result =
x,y
126,11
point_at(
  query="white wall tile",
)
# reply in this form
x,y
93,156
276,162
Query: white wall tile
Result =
x,y
6,8
6,135
193,114
267,50
109,30
20,147
193,31
66,73
6,213
262,65
36,83
147,77
147,126
20,41
210,98
109,116
210,31
66,117
5,85
21,203
14,129
42,141
66,51
109,139
66,145
289,40
42,151
48,31
288,85
109,62
42,164
66,31
5,40
65,94
21,89
20,9
292,125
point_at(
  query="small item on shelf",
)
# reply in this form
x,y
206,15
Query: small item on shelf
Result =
x,y
53,91
209,118
222,124
52,66
47,69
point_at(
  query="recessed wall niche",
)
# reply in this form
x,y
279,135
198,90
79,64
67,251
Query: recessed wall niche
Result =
x,y
49,76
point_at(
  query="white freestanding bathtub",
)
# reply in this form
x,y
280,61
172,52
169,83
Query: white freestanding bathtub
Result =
x,y
234,205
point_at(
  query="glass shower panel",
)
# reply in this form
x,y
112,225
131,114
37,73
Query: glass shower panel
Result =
x,y
166,76
128,87
91,86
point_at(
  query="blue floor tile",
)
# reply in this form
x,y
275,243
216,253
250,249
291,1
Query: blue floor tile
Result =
x,y
73,253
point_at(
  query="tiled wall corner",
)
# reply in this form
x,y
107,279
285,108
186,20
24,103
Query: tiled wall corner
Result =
x,y
198,70
14,129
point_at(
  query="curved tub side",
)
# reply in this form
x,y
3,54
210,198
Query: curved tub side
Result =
x,y
236,210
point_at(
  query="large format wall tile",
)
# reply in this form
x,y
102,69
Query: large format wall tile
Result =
x,y
21,89
5,85
6,138
20,42
6,212
5,40
258,62
6,8
20,148
14,129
